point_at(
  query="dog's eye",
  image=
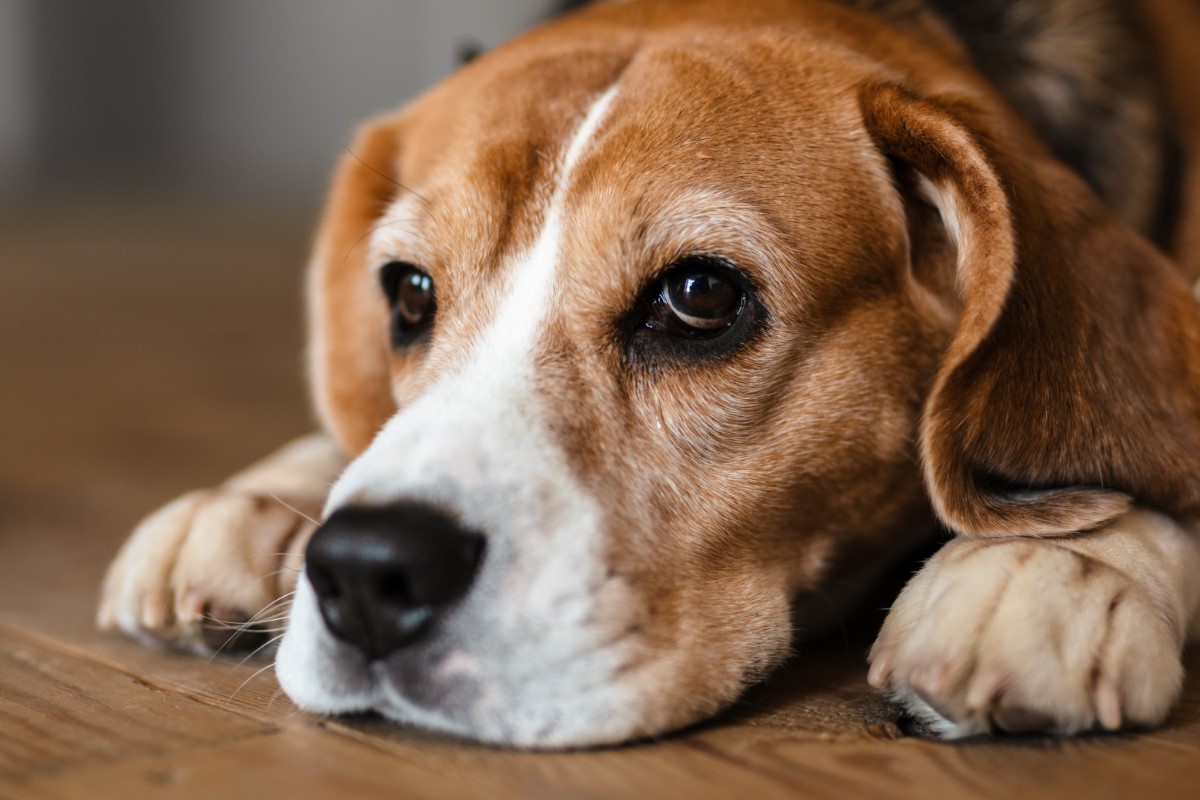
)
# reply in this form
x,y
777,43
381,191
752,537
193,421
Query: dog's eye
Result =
x,y
699,298
704,300
410,295
701,307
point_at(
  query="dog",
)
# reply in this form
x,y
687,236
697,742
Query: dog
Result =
x,y
639,330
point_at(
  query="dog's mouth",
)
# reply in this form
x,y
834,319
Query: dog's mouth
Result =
x,y
466,582
479,672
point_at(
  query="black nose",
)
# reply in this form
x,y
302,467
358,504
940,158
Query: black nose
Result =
x,y
382,574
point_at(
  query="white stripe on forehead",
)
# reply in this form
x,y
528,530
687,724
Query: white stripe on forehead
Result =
x,y
480,443
584,133
478,413
397,235
517,321
476,440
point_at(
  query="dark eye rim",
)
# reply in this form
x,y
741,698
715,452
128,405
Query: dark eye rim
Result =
x,y
405,333
652,335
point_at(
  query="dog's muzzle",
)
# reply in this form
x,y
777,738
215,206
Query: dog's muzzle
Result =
x,y
382,576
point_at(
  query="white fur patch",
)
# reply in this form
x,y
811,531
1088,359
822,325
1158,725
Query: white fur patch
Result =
x,y
944,198
478,442
493,387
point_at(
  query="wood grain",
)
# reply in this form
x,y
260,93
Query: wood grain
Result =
x,y
59,712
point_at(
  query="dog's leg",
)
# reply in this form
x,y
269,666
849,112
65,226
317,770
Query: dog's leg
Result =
x,y
1059,635
198,570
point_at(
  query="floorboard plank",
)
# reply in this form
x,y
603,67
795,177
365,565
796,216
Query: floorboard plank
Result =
x,y
302,762
59,712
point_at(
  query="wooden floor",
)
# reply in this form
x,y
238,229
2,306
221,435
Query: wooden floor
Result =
x,y
150,348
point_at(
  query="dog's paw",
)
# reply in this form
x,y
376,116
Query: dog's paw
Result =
x,y
204,573
1027,636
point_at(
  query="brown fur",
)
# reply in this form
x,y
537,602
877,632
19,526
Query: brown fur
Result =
x,y
1055,402
1066,388
955,323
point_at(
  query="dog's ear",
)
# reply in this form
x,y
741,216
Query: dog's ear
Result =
x,y
1071,383
349,361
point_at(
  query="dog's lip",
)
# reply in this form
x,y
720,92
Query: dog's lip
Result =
x,y
445,713
410,680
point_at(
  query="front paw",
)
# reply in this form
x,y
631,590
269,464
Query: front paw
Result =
x,y
203,572
1024,635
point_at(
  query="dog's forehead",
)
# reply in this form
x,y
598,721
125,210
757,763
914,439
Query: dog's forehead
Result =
x,y
694,113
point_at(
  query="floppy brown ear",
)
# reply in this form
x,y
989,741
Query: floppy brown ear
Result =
x,y
349,364
1070,386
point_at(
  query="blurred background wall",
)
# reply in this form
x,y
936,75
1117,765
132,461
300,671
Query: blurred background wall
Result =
x,y
254,97
161,163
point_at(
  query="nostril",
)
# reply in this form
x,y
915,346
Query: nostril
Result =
x,y
393,591
383,576
443,579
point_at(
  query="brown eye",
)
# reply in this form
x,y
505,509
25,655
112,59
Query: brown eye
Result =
x,y
414,301
410,294
700,297
702,307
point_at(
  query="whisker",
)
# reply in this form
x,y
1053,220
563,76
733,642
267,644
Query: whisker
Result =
x,y
375,229
314,487
293,509
239,561
254,621
284,598
257,672
277,694
390,179
258,649
214,624
229,639
281,570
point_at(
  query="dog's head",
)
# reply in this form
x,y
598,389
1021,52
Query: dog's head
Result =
x,y
641,326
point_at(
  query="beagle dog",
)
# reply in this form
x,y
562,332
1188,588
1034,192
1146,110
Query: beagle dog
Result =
x,y
641,329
